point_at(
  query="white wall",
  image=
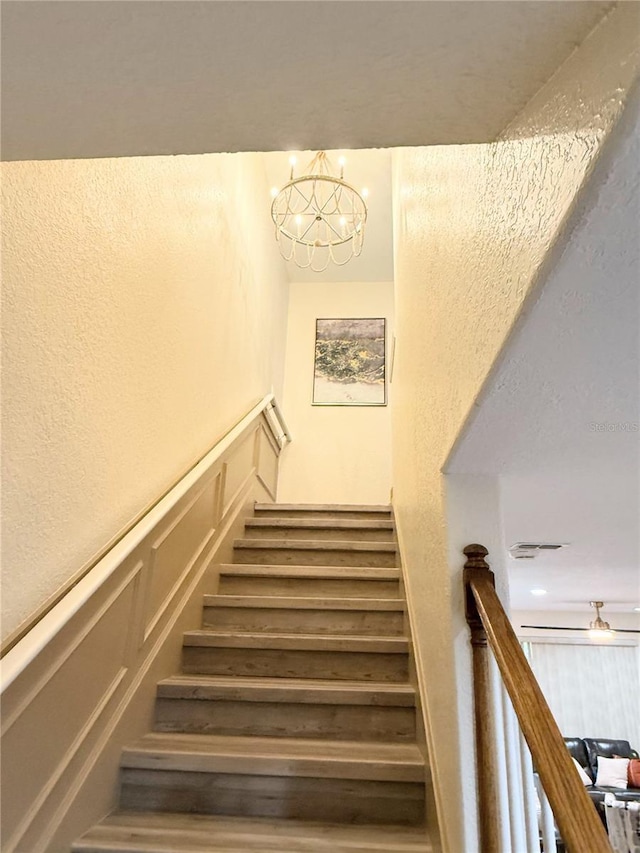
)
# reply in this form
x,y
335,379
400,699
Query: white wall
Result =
x,y
474,229
474,515
144,314
340,454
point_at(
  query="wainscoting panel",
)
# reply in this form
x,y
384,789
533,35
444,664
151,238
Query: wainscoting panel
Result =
x,y
267,460
195,525
91,689
238,468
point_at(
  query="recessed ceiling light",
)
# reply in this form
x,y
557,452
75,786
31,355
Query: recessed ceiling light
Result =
x,y
637,609
538,592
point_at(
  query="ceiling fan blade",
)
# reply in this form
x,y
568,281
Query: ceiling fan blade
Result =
x,y
566,628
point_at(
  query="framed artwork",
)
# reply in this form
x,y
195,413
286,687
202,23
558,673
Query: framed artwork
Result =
x,y
349,364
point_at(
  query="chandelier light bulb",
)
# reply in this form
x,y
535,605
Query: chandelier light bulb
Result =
x,y
274,192
365,192
293,160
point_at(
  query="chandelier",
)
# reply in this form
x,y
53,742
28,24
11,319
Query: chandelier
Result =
x,y
319,217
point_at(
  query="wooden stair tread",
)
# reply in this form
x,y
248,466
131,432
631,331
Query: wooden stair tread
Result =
x,y
264,689
302,602
321,572
149,832
298,642
313,545
260,756
322,507
320,523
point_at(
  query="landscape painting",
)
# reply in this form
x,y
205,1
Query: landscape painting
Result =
x,y
349,368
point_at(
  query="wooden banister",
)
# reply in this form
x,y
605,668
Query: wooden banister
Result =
x,y
580,827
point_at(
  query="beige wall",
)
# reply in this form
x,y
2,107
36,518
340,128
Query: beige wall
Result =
x,y
340,454
474,228
144,314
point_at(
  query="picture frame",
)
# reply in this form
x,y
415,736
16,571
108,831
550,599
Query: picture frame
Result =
x,y
349,366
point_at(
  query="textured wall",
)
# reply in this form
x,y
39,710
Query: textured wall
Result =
x,y
474,228
341,454
144,314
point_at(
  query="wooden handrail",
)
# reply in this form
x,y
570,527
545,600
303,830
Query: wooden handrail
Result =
x,y
580,827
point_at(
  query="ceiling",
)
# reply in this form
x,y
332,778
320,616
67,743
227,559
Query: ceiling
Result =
x,y
560,418
363,168
131,78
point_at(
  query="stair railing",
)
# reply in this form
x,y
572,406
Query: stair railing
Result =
x,y
575,815
276,421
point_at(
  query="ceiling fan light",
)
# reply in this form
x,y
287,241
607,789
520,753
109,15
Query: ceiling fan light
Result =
x,y
600,633
599,629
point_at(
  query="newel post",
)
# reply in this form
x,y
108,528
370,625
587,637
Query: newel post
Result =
x,y
475,569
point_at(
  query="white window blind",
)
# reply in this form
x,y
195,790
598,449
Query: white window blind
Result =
x,y
592,690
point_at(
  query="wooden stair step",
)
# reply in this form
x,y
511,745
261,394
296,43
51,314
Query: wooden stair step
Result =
x,y
316,551
303,602
317,615
312,572
314,545
271,707
339,781
202,753
323,511
144,832
277,507
319,524
285,655
318,691
297,642
330,581
343,529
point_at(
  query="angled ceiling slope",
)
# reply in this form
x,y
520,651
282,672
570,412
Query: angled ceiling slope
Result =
x,y
560,418
130,78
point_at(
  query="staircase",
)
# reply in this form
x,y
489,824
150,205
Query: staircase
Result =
x,y
292,726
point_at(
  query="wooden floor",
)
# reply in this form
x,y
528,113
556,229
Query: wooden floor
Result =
x,y
292,724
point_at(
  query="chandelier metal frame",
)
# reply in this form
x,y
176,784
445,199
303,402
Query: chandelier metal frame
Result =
x,y
319,217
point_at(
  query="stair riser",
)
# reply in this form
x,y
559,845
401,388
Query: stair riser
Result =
x,y
307,587
328,515
331,534
316,557
288,663
289,620
331,800
286,719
